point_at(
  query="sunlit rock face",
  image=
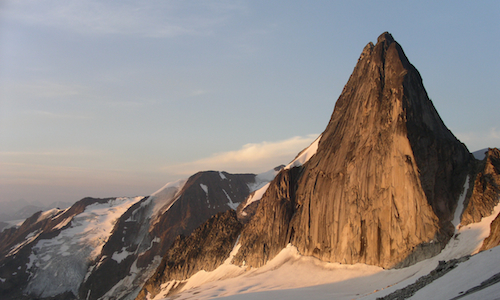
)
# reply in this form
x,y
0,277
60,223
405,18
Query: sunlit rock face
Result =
x,y
486,189
485,196
385,180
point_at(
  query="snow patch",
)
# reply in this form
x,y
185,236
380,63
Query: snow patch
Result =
x,y
32,236
288,270
460,205
204,187
51,213
222,176
305,155
63,223
163,199
256,195
259,186
231,204
120,256
262,179
121,290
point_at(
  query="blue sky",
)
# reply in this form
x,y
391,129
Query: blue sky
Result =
x,y
117,98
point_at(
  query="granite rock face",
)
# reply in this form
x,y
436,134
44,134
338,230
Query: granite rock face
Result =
x,y
269,229
385,180
493,239
486,190
485,196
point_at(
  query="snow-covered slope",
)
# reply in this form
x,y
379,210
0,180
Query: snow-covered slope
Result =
x,y
64,258
262,181
305,154
67,253
293,276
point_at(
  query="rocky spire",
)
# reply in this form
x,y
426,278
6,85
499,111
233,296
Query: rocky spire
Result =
x,y
383,184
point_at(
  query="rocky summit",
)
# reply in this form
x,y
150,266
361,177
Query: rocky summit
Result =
x,y
385,180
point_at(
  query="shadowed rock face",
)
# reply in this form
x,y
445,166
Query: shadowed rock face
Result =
x,y
205,249
269,229
384,182
204,195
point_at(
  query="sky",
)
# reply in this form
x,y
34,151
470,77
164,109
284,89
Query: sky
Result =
x,y
117,98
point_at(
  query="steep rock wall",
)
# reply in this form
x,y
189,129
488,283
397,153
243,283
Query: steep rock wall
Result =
x,y
205,249
384,182
486,190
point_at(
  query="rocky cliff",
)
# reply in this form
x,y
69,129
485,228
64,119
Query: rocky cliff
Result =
x,y
385,180
485,196
485,190
205,249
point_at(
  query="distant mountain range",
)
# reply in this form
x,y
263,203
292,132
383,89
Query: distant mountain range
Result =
x,y
386,204
12,211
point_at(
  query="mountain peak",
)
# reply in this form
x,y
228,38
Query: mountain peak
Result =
x,y
385,37
385,178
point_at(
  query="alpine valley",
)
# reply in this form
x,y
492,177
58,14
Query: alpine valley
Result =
x,y
385,204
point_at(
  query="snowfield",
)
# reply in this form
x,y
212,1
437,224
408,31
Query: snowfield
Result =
x,y
65,258
293,276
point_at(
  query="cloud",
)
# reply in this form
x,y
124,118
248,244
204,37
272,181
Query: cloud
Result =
x,y
253,157
152,19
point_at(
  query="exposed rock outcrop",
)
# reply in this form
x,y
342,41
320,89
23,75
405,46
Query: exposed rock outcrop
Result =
x,y
486,190
383,184
485,196
442,269
205,249
247,209
269,231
